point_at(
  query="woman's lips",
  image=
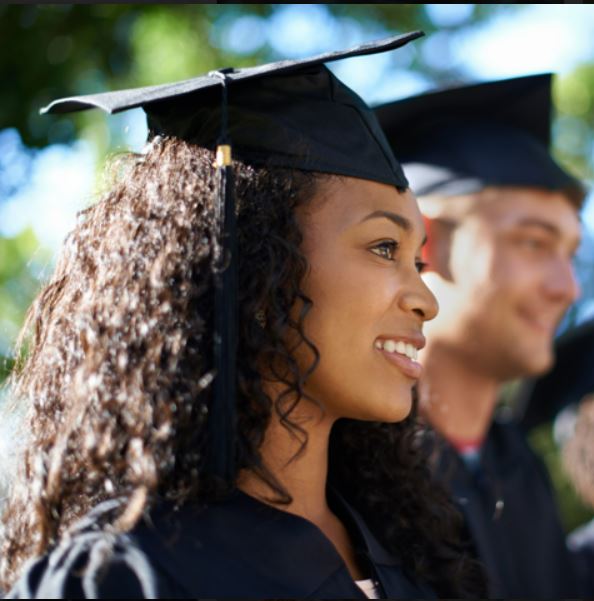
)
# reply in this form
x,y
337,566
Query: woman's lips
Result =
x,y
408,367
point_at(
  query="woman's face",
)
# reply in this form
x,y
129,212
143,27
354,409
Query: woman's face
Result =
x,y
363,242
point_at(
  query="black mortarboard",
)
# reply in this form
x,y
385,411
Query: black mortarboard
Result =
x,y
292,113
570,379
460,140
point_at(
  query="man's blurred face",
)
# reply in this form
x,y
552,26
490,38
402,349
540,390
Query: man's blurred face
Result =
x,y
503,277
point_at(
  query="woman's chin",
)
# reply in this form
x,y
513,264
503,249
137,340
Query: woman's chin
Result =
x,y
392,409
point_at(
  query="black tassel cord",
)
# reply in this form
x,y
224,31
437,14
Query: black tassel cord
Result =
x,y
222,418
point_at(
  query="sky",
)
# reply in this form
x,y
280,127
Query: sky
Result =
x,y
539,38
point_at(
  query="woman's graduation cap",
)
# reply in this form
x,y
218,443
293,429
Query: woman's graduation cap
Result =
x,y
460,140
293,114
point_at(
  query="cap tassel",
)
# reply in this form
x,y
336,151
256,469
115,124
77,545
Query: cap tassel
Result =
x,y
222,418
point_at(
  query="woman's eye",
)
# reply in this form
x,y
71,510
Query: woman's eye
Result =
x,y
385,250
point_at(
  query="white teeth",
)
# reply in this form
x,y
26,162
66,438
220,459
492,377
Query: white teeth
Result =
x,y
390,346
401,347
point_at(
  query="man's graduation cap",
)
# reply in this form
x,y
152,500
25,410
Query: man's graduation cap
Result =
x,y
293,114
460,140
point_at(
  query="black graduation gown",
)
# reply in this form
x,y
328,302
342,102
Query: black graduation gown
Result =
x,y
240,548
510,512
581,542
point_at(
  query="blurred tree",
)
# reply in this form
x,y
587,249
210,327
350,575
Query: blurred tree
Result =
x,y
21,263
67,49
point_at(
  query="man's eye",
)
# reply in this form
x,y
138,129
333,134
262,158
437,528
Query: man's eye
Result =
x,y
534,243
386,249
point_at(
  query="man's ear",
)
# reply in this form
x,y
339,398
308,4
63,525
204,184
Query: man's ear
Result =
x,y
436,251
426,252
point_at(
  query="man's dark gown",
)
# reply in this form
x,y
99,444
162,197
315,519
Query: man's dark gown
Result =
x,y
509,508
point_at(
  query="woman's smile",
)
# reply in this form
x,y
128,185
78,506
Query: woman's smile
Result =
x,y
402,353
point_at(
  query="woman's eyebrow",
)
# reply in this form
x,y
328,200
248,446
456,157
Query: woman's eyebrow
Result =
x,y
399,220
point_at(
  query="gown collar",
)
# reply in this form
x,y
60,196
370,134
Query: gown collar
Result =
x,y
266,543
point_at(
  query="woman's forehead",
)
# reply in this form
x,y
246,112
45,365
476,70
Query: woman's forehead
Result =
x,y
344,202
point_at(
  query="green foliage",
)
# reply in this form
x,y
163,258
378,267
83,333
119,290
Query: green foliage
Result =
x,y
573,511
574,99
21,265
68,49
55,50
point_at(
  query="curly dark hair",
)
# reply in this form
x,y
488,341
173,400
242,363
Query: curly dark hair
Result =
x,y
118,368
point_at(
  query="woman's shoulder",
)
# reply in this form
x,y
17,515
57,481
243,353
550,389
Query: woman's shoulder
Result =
x,y
85,569
92,562
171,552
235,548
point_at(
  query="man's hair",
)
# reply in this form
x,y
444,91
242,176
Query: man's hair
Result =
x,y
436,205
